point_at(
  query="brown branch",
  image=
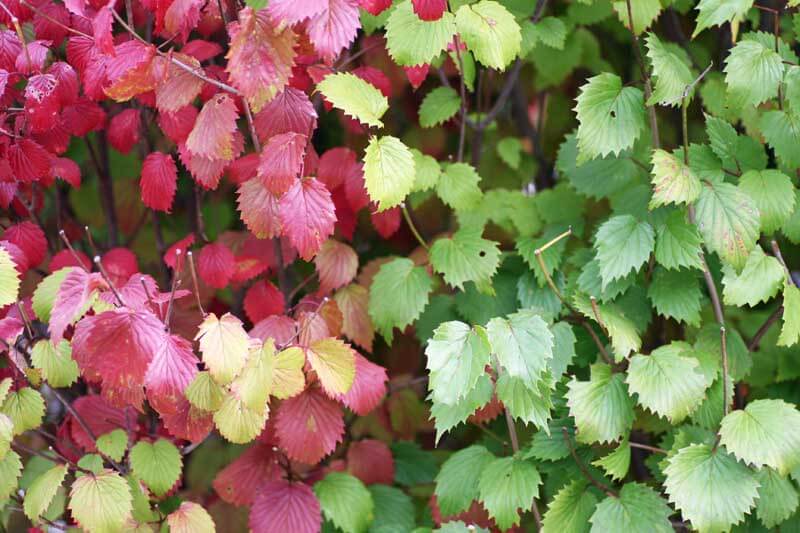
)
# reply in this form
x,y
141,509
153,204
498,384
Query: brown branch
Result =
x,y
106,192
647,447
607,490
755,342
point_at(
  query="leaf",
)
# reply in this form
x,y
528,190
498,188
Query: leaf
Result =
x,y
550,31
212,134
10,469
709,487
355,96
777,498
522,344
676,294
287,374
353,302
9,278
525,403
307,215
190,517
458,186
398,294
624,336
766,432
426,170
616,463
394,509
413,466
465,257
673,181
224,345
438,106
623,244
254,384
457,356
285,506
281,161
728,220
638,508
74,297
100,503
368,389
45,294
113,444
781,130
644,13
490,32
790,332
753,72
667,384
457,481
602,408
506,485
204,393
334,363
159,181
42,491
56,363
25,407
773,194
446,417
717,12
388,171
678,243
345,501
337,265
157,464
759,281
611,117
670,70
570,509
172,369
412,41
237,422
309,426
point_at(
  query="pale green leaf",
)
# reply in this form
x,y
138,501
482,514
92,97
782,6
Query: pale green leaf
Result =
x,y
522,344
777,498
458,186
643,13
9,279
601,407
673,181
457,481
388,171
753,72
254,384
728,219
204,393
26,409
638,508
113,444
10,470
225,346
157,464
717,12
42,491
676,294
624,336
45,294
355,96
508,484
398,295
759,281
411,41
570,509
670,70
781,130
766,432
773,194
101,503
490,32
438,106
446,417
426,171
550,31
510,151
678,243
611,117
623,245
523,402
466,256
457,356
790,332
710,487
345,501
394,510
237,422
617,462
56,363
563,349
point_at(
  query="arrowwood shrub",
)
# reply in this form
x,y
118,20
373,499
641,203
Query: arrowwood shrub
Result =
x,y
392,266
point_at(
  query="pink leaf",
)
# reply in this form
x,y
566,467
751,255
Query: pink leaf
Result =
x,y
178,124
170,372
72,300
371,461
281,328
187,422
429,9
335,28
386,222
99,416
31,240
281,161
120,264
375,7
212,135
368,389
159,181
337,264
66,169
417,74
294,11
66,258
216,264
307,215
309,426
239,482
259,209
123,130
263,299
290,110
285,506
175,86
337,165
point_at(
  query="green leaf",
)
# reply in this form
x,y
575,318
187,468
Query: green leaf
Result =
x,y
412,41
643,12
355,96
667,384
45,294
523,402
10,470
457,481
728,219
398,294
676,294
204,393
490,32
711,489
624,336
426,171
766,432
237,422
446,417
616,463
678,243
457,356
760,280
394,510
26,409
773,194
550,31
611,117
439,106
550,445
673,181
522,344
602,408
388,171
158,464
570,509
753,72
781,130
42,491
113,444
506,485
56,363
465,257
600,177
790,332
510,151
563,349
777,498
717,12
670,70
9,279
345,501
458,186
413,465
638,508
623,245
101,503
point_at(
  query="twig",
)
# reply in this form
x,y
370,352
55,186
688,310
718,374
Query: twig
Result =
x,y
412,227
175,281
99,263
755,342
72,251
647,447
648,87
607,490
463,108
596,312
724,341
196,285
776,250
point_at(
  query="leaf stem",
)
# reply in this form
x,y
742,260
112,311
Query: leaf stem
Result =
x,y
647,447
413,227
195,284
606,489
648,86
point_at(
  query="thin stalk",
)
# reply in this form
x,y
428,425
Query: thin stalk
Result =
x,y
647,447
463,109
607,490
107,279
412,227
195,284
648,87
72,251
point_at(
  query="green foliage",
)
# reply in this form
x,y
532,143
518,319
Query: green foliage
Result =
x,y
388,171
457,481
602,408
438,106
623,245
490,32
398,295
638,507
508,484
345,501
158,464
355,96
411,41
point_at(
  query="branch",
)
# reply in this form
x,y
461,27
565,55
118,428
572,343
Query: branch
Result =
x,y
648,86
607,490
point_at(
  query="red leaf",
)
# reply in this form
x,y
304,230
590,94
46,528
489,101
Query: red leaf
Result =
x,y
120,264
66,258
10,49
30,238
202,50
336,165
51,22
159,181
71,298
18,257
173,367
212,135
281,328
375,7
123,130
368,389
386,222
37,53
259,209
243,169
336,264
371,461
281,160
307,215
345,217
176,87
171,255
99,416
66,169
42,103
179,124
239,482
188,422
417,74
260,57
29,161
429,9
101,27
285,506
375,77
262,300
335,28
129,72
294,11
216,265
309,426
118,346
355,190
82,117
290,110
181,17
207,171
